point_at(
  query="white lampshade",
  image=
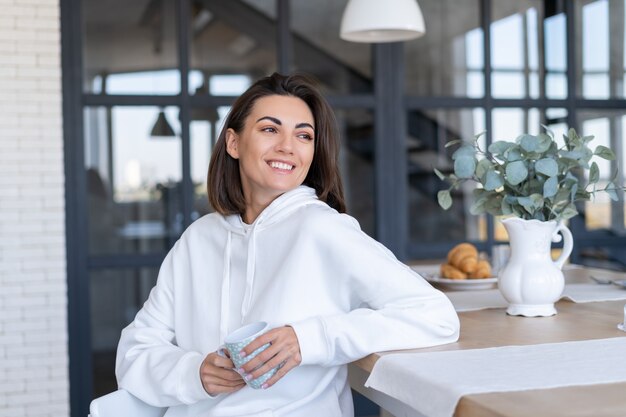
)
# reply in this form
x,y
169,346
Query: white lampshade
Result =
x,y
382,21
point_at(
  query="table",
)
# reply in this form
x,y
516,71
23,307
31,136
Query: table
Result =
x,y
493,328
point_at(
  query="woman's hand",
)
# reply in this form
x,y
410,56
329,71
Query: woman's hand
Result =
x,y
284,351
218,377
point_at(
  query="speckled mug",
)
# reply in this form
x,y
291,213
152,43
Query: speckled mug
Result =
x,y
239,339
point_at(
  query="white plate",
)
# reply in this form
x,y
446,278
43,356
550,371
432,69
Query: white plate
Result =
x,y
458,284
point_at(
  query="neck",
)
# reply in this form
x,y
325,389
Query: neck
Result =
x,y
254,207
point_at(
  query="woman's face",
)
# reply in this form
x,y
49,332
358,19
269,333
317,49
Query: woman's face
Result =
x,y
274,148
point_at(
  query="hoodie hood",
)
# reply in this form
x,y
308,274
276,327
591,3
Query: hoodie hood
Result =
x,y
278,210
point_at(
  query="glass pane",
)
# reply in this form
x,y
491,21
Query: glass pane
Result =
x,y
130,47
356,160
429,131
608,128
340,66
523,44
116,296
602,65
448,59
133,179
509,123
234,38
206,125
554,27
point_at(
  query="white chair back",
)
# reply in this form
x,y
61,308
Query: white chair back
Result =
x,y
121,403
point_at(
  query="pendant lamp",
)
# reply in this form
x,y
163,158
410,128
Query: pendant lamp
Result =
x,y
162,128
375,21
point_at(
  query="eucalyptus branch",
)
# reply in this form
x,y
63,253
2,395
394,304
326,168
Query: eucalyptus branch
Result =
x,y
529,177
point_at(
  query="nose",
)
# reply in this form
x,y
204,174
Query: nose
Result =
x,y
285,144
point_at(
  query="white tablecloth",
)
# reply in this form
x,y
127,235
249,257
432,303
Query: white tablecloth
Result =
x,y
433,382
579,293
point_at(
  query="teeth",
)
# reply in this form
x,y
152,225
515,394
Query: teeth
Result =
x,y
281,165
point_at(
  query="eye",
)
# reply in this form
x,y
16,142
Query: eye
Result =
x,y
305,136
269,129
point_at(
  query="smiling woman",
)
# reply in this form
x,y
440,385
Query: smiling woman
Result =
x,y
279,249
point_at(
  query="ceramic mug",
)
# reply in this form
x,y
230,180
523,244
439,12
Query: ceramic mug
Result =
x,y
239,339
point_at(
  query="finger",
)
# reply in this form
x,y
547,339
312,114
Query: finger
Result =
x,y
215,389
274,362
221,377
281,372
227,375
221,362
261,358
258,342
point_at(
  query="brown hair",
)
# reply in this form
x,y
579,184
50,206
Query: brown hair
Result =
x,y
224,183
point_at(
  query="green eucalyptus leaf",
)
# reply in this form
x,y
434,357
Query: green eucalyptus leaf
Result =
x,y
535,186
464,166
444,199
511,199
478,207
587,155
452,142
479,193
493,180
547,166
483,166
573,138
513,154
529,143
583,194
562,196
505,207
573,191
500,147
587,139
550,187
604,153
574,155
478,135
439,174
594,173
611,190
545,142
516,172
569,212
527,204
537,200
464,151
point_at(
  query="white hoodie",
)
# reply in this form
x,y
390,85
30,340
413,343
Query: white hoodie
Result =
x,y
300,263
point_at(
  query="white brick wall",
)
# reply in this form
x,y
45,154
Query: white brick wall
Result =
x,y
33,294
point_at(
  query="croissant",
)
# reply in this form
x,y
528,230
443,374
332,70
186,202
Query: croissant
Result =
x,y
464,256
448,271
463,262
483,270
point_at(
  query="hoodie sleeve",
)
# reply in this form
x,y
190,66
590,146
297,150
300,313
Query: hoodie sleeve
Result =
x,y
149,364
393,307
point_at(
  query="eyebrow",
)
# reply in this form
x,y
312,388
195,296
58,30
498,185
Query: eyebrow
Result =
x,y
278,122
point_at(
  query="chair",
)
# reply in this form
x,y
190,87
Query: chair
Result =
x,y
121,403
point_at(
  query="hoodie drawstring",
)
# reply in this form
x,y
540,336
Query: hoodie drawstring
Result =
x,y
247,297
225,289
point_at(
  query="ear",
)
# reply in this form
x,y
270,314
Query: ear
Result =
x,y
232,143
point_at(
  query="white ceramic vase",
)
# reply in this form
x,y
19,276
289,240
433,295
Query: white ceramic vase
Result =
x,y
531,281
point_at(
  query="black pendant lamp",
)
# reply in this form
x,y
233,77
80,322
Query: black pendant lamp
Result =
x,y
162,128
